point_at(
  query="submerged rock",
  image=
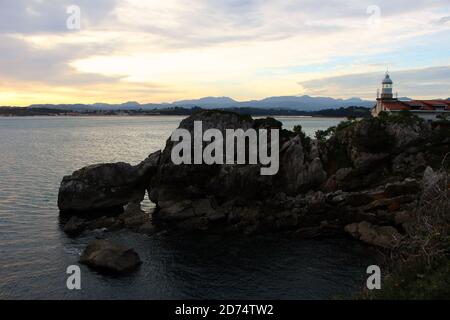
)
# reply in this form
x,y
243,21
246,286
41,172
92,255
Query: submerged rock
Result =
x,y
134,216
74,226
105,256
105,223
147,228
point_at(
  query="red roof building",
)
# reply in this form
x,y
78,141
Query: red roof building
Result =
x,y
427,109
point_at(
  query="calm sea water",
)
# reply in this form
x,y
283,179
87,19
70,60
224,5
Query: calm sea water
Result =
x,y
35,153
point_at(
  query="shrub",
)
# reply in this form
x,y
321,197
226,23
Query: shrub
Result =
x,y
306,141
421,262
344,125
401,117
323,135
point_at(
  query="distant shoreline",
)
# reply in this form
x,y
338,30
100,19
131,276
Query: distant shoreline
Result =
x,y
357,112
148,115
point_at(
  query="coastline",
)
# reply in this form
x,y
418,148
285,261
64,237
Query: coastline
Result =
x,y
164,115
138,149
200,266
354,112
352,183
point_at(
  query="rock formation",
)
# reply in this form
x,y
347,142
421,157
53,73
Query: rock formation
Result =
x,y
105,187
382,236
363,180
105,256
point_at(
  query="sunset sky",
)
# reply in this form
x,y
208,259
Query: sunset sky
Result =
x,y
163,51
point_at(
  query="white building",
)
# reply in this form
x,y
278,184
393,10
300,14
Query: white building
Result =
x,y
426,109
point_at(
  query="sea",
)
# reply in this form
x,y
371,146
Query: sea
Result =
x,y
35,154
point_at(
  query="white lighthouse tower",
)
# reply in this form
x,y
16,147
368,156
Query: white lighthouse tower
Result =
x,y
387,95
387,86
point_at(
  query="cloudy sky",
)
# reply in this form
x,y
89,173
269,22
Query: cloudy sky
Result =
x,y
155,51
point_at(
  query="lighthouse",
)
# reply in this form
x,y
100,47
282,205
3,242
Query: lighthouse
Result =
x,y
387,95
430,110
386,90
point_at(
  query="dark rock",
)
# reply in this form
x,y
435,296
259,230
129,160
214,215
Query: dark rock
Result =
x,y
286,220
316,202
98,187
148,228
386,236
289,204
342,174
193,224
297,172
134,216
106,187
105,256
358,199
338,198
280,196
202,207
175,210
407,163
221,213
109,223
391,204
147,168
325,229
434,183
136,221
409,186
403,217
74,226
217,216
364,161
342,179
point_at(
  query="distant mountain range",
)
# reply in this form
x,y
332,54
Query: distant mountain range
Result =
x,y
300,103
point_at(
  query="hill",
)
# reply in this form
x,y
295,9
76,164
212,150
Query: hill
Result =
x,y
299,103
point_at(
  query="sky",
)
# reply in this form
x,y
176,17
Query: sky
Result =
x,y
164,51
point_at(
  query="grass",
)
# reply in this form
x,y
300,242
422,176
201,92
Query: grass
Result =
x,y
420,267
416,281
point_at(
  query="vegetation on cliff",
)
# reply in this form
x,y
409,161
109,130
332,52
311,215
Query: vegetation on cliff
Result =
x,y
420,264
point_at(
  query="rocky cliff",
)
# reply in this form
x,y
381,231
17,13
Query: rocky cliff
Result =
x,y
362,178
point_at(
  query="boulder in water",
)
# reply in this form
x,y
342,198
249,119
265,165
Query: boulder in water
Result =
x,y
106,256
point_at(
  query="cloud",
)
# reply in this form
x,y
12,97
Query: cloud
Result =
x,y
174,49
416,83
443,21
212,22
23,62
43,16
